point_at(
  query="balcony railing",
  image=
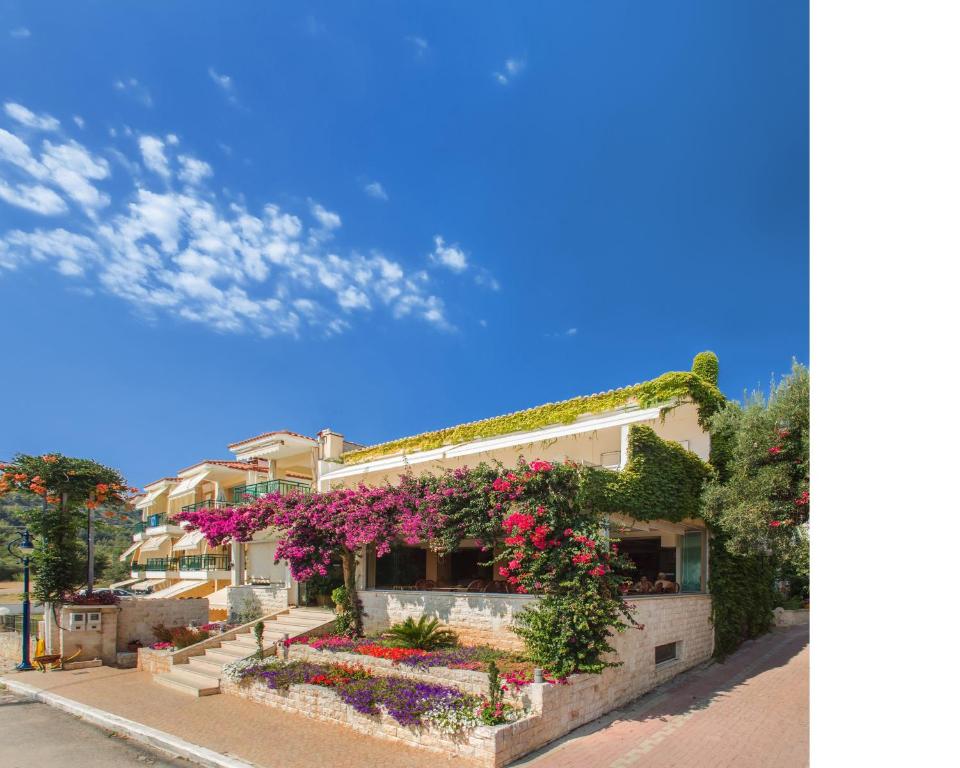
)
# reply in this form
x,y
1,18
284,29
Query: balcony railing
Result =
x,y
137,571
256,490
162,564
205,563
154,520
208,504
139,527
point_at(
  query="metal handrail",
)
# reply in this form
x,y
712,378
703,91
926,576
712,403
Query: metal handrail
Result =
x,y
206,504
256,490
205,563
162,563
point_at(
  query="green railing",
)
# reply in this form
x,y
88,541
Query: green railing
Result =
x,y
256,490
154,520
139,527
208,504
205,563
137,571
162,564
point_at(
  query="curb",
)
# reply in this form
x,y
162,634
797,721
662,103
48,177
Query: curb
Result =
x,y
133,730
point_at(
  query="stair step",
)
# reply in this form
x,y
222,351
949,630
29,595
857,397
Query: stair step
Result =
x,y
205,665
309,612
215,654
230,650
189,682
300,621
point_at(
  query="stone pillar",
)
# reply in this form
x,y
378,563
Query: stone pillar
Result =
x,y
239,563
272,473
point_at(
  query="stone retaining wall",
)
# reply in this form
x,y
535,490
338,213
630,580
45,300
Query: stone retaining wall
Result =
x,y
478,747
269,599
138,616
477,618
11,644
155,662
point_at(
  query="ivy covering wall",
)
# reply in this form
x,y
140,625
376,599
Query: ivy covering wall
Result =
x,y
743,598
661,481
677,387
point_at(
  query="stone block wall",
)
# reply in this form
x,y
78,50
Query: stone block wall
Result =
x,y
138,616
477,618
149,660
268,599
10,645
319,703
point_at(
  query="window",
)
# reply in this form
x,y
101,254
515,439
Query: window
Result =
x,y
691,559
666,652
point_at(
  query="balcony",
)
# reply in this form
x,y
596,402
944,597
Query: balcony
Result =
x,y
138,529
137,571
160,523
205,563
208,504
245,493
162,564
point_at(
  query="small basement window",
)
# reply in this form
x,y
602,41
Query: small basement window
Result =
x,y
666,652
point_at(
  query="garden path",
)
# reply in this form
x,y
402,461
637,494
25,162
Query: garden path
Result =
x,y
752,711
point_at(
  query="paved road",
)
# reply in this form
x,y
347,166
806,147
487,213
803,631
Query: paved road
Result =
x,y
33,735
750,712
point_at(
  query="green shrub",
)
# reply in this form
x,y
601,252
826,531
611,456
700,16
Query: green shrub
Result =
x,y
707,366
424,634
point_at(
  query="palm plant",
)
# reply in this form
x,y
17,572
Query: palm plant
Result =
x,y
423,634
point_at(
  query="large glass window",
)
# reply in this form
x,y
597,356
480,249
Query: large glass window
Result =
x,y
691,564
401,567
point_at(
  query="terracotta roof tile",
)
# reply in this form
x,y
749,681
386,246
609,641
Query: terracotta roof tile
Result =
x,y
267,434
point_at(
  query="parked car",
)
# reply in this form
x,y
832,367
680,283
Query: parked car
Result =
x,y
115,592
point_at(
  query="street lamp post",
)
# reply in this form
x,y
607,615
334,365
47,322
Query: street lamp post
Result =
x,y
25,544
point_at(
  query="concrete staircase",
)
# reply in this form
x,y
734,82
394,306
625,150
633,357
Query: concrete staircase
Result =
x,y
200,676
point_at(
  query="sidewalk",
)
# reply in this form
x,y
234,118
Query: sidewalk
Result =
x,y
750,712
267,737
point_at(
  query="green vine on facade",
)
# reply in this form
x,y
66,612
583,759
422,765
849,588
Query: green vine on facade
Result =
x,y
672,389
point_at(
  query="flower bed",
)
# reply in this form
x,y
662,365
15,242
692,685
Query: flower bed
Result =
x,y
411,703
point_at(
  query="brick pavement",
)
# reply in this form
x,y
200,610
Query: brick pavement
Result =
x,y
750,712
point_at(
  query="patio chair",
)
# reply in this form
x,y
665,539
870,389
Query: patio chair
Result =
x,y
476,585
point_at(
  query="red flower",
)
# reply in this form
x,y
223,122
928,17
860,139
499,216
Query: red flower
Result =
x,y
598,571
541,466
585,557
774,523
775,450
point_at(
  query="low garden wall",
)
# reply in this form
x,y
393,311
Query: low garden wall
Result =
x,y
268,599
479,746
138,616
553,710
476,617
11,645
790,618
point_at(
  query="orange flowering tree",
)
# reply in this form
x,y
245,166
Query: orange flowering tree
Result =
x,y
57,491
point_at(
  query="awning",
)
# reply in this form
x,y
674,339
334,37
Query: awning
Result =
x,y
146,585
187,486
151,497
153,543
131,550
190,541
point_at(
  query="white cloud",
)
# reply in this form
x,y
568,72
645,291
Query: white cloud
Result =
x,y
420,45
152,150
224,83
193,171
80,122
329,222
68,166
450,256
35,198
134,89
375,190
187,251
20,33
511,69
25,117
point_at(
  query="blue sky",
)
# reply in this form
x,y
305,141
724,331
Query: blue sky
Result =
x,y
385,218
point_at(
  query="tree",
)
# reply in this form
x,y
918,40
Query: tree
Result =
x,y
760,501
62,489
